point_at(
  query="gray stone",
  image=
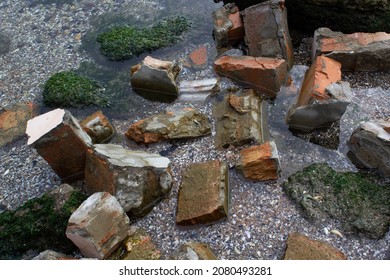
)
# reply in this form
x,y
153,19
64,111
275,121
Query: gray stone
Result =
x,y
52,255
194,251
369,147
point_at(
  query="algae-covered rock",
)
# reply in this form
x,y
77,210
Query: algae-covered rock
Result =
x,y
359,201
123,42
68,89
39,224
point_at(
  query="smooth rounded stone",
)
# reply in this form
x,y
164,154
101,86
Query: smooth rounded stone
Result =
x,y
5,43
194,251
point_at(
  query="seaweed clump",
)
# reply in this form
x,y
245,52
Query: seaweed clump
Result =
x,y
124,42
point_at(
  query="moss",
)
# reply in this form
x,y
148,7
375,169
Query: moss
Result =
x,y
37,226
124,42
68,89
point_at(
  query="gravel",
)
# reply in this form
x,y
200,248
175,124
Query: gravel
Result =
x,y
45,39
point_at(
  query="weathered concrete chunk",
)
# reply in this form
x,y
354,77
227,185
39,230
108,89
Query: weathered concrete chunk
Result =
x,y
137,246
260,163
98,226
264,74
194,251
13,121
322,99
228,27
98,127
266,31
173,124
369,146
356,52
241,118
204,195
60,140
155,79
300,247
138,180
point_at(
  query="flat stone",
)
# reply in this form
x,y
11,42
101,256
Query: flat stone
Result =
x,y
263,74
137,179
199,57
204,194
300,247
98,226
194,251
356,52
13,121
173,124
266,31
260,163
60,140
155,79
98,127
52,255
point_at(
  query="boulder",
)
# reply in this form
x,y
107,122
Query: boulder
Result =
x,y
356,52
260,163
266,31
228,27
60,140
137,179
369,146
204,195
178,123
194,251
263,74
155,79
301,247
241,118
98,226
199,58
13,121
98,127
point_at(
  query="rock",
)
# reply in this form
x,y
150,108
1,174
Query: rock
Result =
x,y
199,58
52,255
138,246
300,247
98,127
228,27
60,140
204,195
155,79
98,226
360,202
241,118
266,31
356,52
5,43
322,99
13,121
260,163
194,251
137,179
241,4
173,124
369,146
263,74
198,90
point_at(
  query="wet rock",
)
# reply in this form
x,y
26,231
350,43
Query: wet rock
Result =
x,y
228,27
300,247
137,179
98,127
369,146
5,43
173,124
198,90
204,195
260,163
52,255
60,140
263,74
241,118
356,52
360,202
13,121
194,251
266,31
98,226
137,246
322,99
155,79
199,58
